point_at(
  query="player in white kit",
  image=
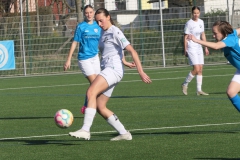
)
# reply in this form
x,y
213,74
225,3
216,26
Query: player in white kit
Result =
x,y
88,33
194,51
111,45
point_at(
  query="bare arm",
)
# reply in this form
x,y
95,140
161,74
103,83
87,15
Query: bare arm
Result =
x,y
128,64
203,37
68,61
213,45
136,60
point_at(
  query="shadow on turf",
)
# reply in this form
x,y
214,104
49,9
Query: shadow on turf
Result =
x,y
220,158
42,142
7,118
170,96
165,96
217,93
73,141
193,132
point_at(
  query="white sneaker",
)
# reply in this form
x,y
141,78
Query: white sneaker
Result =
x,y
184,89
202,93
80,134
126,136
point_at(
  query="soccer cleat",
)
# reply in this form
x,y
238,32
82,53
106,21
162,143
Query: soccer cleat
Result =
x,y
184,89
80,134
83,109
202,93
126,136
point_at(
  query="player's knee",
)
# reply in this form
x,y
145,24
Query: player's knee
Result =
x,y
230,92
91,93
199,72
101,108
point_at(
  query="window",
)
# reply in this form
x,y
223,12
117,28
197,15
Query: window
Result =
x,y
155,5
120,4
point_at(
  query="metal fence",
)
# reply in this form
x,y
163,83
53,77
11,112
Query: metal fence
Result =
x,y
42,38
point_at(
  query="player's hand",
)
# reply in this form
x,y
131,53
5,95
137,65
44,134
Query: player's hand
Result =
x,y
145,78
67,65
130,65
206,51
186,54
191,37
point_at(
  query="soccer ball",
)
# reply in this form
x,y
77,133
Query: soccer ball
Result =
x,y
63,118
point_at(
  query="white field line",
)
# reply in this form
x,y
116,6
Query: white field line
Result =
x,y
144,129
150,68
139,80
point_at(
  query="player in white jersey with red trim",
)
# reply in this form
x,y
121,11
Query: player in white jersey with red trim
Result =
x,y
194,51
111,45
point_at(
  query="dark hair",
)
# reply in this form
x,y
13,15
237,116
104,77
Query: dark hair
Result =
x,y
87,6
105,12
224,27
195,7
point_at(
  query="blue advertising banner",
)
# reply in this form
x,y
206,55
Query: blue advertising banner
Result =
x,y
7,58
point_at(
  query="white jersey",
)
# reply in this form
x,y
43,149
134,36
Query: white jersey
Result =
x,y
196,29
111,45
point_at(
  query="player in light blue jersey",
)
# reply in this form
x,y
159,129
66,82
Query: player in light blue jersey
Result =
x,y
87,34
111,45
229,42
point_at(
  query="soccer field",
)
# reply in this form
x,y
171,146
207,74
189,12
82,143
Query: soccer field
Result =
x,y
164,123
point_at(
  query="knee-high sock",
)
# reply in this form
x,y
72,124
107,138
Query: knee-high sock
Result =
x,y
188,78
199,82
236,102
88,118
116,124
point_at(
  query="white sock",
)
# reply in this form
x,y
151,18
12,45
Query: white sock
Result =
x,y
199,82
116,124
188,79
88,118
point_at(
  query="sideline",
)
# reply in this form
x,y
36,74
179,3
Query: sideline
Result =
x,y
144,129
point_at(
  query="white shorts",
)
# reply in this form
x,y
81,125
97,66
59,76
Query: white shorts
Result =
x,y
112,77
195,57
236,77
90,66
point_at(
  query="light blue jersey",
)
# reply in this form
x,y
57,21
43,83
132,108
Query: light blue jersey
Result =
x,y
88,36
232,49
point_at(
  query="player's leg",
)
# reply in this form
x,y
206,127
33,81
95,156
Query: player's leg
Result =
x,y
95,89
111,118
112,78
90,68
233,89
199,77
198,71
90,79
190,76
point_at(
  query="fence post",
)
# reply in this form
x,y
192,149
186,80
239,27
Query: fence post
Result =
x,y
141,31
163,48
23,45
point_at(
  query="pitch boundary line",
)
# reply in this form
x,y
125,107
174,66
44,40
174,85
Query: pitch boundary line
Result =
x,y
144,129
139,80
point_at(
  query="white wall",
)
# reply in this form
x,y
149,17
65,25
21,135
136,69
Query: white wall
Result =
x,y
110,5
132,5
221,4
124,21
